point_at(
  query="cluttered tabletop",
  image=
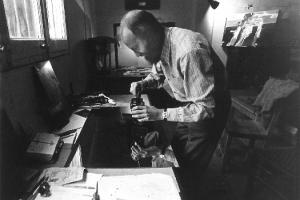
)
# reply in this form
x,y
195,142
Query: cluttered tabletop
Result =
x,y
110,184
57,181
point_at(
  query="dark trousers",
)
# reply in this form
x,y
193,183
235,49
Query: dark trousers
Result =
x,y
194,143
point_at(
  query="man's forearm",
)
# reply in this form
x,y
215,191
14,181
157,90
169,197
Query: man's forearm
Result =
x,y
152,81
190,113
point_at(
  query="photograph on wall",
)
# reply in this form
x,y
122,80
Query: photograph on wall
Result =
x,y
250,29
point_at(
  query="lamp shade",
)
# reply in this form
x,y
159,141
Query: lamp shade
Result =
x,y
214,4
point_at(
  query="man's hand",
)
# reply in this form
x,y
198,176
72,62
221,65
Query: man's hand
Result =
x,y
136,88
137,152
146,113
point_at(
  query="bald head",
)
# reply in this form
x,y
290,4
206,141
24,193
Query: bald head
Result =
x,y
139,22
142,33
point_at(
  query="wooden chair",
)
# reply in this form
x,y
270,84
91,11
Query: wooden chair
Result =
x,y
101,48
248,126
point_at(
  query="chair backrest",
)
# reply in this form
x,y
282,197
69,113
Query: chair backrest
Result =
x,y
246,120
101,47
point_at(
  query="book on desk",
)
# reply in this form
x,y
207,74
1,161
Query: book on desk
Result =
x,y
44,147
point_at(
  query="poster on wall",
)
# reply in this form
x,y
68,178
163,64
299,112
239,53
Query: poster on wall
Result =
x,y
250,29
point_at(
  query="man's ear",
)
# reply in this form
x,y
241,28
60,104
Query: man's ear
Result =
x,y
141,29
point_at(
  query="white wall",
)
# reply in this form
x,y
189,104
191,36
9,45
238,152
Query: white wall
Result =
x,y
109,12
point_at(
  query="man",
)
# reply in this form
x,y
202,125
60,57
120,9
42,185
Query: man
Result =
x,y
182,57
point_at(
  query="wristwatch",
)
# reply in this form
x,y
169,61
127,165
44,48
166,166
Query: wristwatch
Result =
x,y
164,114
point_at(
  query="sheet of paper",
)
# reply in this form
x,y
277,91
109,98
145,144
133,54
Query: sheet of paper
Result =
x,y
61,176
136,187
82,190
70,139
75,122
44,137
89,182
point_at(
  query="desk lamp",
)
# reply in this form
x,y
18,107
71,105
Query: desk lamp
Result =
x,y
214,4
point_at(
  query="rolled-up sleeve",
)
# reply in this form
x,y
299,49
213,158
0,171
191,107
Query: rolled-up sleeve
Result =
x,y
155,79
198,83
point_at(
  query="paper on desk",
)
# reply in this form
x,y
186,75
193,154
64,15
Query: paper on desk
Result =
x,y
61,176
89,182
66,193
136,187
70,139
82,190
75,122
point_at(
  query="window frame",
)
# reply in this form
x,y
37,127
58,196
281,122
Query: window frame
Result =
x,y
19,53
3,39
55,47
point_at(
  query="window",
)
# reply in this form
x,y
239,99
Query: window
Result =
x,y
57,26
24,20
56,20
35,30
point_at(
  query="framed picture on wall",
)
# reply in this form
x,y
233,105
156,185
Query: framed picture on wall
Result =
x,y
142,4
250,29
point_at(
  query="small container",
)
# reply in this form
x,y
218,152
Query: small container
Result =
x,y
136,102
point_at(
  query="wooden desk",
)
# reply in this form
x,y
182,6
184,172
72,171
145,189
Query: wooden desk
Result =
x,y
68,151
93,129
106,138
70,154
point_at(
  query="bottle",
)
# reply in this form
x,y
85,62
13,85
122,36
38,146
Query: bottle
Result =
x,y
137,127
136,101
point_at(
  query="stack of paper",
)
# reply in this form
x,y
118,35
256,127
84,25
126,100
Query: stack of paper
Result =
x,y
136,187
154,186
70,183
62,176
